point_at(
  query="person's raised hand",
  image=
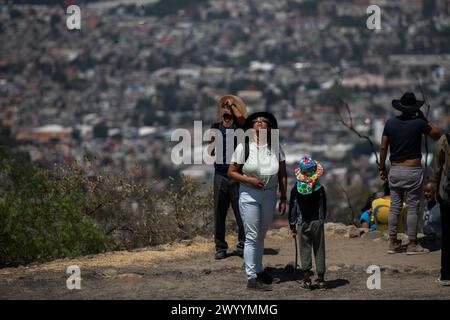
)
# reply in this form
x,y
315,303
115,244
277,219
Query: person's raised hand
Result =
x,y
421,115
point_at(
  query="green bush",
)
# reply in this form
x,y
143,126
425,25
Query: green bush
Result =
x,y
75,209
38,221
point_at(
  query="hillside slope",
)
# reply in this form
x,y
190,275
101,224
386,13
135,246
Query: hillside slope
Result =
x,y
187,270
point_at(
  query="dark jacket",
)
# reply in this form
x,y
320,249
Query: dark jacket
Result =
x,y
222,168
307,207
441,167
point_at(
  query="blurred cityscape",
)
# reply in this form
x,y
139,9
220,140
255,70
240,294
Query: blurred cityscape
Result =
x,y
116,89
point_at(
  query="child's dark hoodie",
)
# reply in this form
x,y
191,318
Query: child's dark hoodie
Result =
x,y
307,207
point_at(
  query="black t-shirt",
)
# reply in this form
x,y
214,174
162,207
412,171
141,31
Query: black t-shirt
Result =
x,y
405,137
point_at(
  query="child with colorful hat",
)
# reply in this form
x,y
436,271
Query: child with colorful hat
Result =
x,y
307,213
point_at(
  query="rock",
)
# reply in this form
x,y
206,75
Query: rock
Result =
x,y
353,232
186,242
334,268
403,237
389,269
163,247
335,229
364,230
200,239
372,235
109,272
127,276
270,233
283,230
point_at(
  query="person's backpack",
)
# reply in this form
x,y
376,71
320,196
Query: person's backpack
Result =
x,y
247,150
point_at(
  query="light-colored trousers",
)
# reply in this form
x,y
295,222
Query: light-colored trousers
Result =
x,y
257,207
406,184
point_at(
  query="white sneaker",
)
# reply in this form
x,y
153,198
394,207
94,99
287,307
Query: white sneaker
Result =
x,y
418,249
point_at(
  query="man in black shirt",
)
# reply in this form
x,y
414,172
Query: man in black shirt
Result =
x,y
403,136
232,112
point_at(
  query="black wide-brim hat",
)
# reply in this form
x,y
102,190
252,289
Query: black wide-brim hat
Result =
x,y
408,103
272,120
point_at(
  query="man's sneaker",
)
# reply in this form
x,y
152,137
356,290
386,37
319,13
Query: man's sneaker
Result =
x,y
416,249
220,255
395,247
258,284
267,278
443,283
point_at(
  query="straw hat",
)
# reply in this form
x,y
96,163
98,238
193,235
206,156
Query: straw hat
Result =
x,y
240,104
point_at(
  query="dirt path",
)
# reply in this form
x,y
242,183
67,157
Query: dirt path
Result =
x,y
188,271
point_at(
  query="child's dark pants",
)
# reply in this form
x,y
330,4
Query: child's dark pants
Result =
x,y
311,236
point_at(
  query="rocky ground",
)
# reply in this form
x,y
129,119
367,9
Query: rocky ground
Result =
x,y
187,270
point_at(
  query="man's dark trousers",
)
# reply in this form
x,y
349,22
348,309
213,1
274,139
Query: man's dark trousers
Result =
x,y
445,251
226,192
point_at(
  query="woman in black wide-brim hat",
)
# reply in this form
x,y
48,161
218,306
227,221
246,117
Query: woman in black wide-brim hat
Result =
x,y
260,168
402,135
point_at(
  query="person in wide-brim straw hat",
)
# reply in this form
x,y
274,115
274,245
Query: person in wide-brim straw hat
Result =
x,y
237,108
232,112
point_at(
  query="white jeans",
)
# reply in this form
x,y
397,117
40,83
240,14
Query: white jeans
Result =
x,y
257,207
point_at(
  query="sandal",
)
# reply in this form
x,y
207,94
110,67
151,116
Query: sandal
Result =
x,y
306,284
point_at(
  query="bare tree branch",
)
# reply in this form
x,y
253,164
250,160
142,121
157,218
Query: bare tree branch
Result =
x,y
352,128
348,200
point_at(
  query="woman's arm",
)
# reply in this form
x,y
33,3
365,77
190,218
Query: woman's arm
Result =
x,y
234,174
239,116
282,181
435,133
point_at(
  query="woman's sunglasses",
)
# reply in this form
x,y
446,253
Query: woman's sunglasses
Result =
x,y
261,120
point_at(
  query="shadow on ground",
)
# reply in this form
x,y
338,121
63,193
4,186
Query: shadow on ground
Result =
x,y
271,252
286,276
